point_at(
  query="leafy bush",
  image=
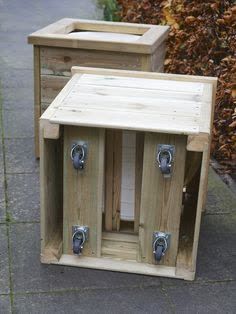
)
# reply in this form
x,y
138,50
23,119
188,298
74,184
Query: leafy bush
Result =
x,y
111,10
202,41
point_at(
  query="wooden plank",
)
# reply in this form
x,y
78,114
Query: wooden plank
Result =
x,y
109,174
151,75
138,178
51,85
117,245
117,169
113,179
58,61
121,265
51,191
82,195
200,204
162,104
126,120
158,57
66,25
195,88
57,35
161,211
37,98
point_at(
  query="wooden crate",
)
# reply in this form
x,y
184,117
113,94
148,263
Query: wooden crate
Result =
x,y
157,109
71,42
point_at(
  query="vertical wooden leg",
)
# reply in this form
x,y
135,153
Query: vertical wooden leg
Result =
x,y
138,178
113,170
82,196
109,174
37,98
161,198
117,153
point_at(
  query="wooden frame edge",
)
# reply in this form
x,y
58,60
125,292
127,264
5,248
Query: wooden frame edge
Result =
x,y
108,264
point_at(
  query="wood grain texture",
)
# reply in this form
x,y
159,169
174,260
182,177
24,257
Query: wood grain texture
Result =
x,y
37,98
58,61
138,178
58,35
51,189
161,199
82,195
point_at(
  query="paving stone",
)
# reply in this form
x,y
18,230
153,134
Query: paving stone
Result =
x,y
5,304
220,198
29,275
16,78
214,298
217,251
20,156
2,199
125,300
4,262
23,197
18,98
18,123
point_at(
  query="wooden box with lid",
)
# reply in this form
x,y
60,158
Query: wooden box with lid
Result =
x,y
69,42
145,218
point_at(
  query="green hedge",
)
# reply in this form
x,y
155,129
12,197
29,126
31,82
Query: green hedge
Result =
x,y
111,10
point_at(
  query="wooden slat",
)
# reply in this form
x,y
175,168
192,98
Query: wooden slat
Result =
x,y
143,83
117,245
161,199
82,196
121,265
58,61
57,35
138,178
126,120
51,86
51,190
109,174
37,98
117,169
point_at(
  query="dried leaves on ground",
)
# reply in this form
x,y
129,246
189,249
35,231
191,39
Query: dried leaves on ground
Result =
x,y
202,41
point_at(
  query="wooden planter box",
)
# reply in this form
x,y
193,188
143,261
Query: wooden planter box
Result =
x,y
155,109
71,42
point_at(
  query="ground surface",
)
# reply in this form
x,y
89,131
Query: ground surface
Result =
x,y
28,287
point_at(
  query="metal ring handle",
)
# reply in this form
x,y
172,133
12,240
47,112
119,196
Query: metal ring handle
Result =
x,y
83,236
81,149
164,151
156,241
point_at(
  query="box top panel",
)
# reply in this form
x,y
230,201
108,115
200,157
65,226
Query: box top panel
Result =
x,y
134,103
100,35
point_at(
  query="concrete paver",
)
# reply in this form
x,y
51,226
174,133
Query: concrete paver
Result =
x,y
2,199
4,262
19,155
137,301
23,197
5,304
215,298
18,123
219,200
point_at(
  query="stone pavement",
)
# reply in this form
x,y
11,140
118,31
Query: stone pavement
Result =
x,y
26,286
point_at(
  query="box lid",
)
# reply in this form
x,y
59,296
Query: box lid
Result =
x,y
100,35
151,102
